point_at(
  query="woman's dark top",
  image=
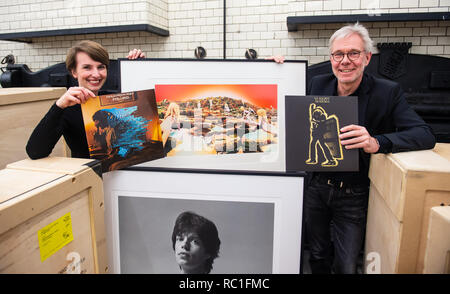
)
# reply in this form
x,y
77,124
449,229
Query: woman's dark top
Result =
x,y
67,122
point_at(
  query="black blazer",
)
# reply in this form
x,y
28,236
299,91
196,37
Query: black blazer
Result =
x,y
384,112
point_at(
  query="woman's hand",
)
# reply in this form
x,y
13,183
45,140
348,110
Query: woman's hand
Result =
x,y
135,54
74,95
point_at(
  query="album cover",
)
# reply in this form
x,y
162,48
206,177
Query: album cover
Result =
x,y
313,126
123,129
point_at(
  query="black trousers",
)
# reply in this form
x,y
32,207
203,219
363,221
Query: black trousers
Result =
x,y
344,206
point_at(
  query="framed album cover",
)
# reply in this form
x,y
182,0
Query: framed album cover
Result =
x,y
253,223
219,114
312,133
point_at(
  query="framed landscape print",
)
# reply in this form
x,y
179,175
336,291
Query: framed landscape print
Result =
x,y
219,114
313,128
205,119
258,220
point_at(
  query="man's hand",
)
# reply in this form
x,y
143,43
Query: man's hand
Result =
x,y
135,54
277,59
354,136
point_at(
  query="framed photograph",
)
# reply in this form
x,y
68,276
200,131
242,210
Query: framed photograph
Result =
x,y
219,114
313,129
257,221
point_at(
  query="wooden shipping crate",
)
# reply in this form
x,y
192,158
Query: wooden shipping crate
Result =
x,y
404,187
21,109
437,251
52,217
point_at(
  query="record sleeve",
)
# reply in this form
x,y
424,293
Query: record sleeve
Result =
x,y
313,126
123,129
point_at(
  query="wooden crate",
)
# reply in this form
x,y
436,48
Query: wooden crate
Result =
x,y
21,109
404,187
437,251
52,217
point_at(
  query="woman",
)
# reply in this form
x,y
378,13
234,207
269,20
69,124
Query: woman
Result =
x,y
171,119
88,62
263,122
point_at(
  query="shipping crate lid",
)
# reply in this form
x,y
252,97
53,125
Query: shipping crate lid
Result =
x,y
426,161
436,160
60,165
443,149
25,175
21,95
17,182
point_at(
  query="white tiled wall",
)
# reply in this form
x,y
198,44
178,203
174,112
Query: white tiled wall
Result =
x,y
329,7
257,24
32,15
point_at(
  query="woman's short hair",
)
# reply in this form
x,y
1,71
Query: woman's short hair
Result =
x,y
349,30
95,51
190,222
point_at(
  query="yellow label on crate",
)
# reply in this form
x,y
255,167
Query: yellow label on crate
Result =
x,y
55,236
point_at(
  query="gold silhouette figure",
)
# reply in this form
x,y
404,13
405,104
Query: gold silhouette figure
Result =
x,y
324,132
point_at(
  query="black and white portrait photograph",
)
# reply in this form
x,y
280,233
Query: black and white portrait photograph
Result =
x,y
176,236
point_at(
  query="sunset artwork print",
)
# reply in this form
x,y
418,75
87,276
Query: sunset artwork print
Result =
x,y
123,129
218,119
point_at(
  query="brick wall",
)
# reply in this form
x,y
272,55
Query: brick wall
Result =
x,y
257,24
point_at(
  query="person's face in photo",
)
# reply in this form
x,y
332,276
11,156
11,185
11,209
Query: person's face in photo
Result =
x,y
90,74
190,253
349,70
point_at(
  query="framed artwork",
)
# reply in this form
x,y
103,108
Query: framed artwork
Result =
x,y
219,114
205,119
313,128
257,221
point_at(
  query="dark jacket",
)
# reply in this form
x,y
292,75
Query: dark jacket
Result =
x,y
385,113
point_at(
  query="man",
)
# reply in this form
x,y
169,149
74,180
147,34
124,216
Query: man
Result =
x,y
386,124
196,243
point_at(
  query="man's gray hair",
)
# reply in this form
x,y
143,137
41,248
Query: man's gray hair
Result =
x,y
352,29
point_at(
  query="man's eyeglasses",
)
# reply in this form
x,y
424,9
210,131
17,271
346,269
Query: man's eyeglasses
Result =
x,y
352,55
